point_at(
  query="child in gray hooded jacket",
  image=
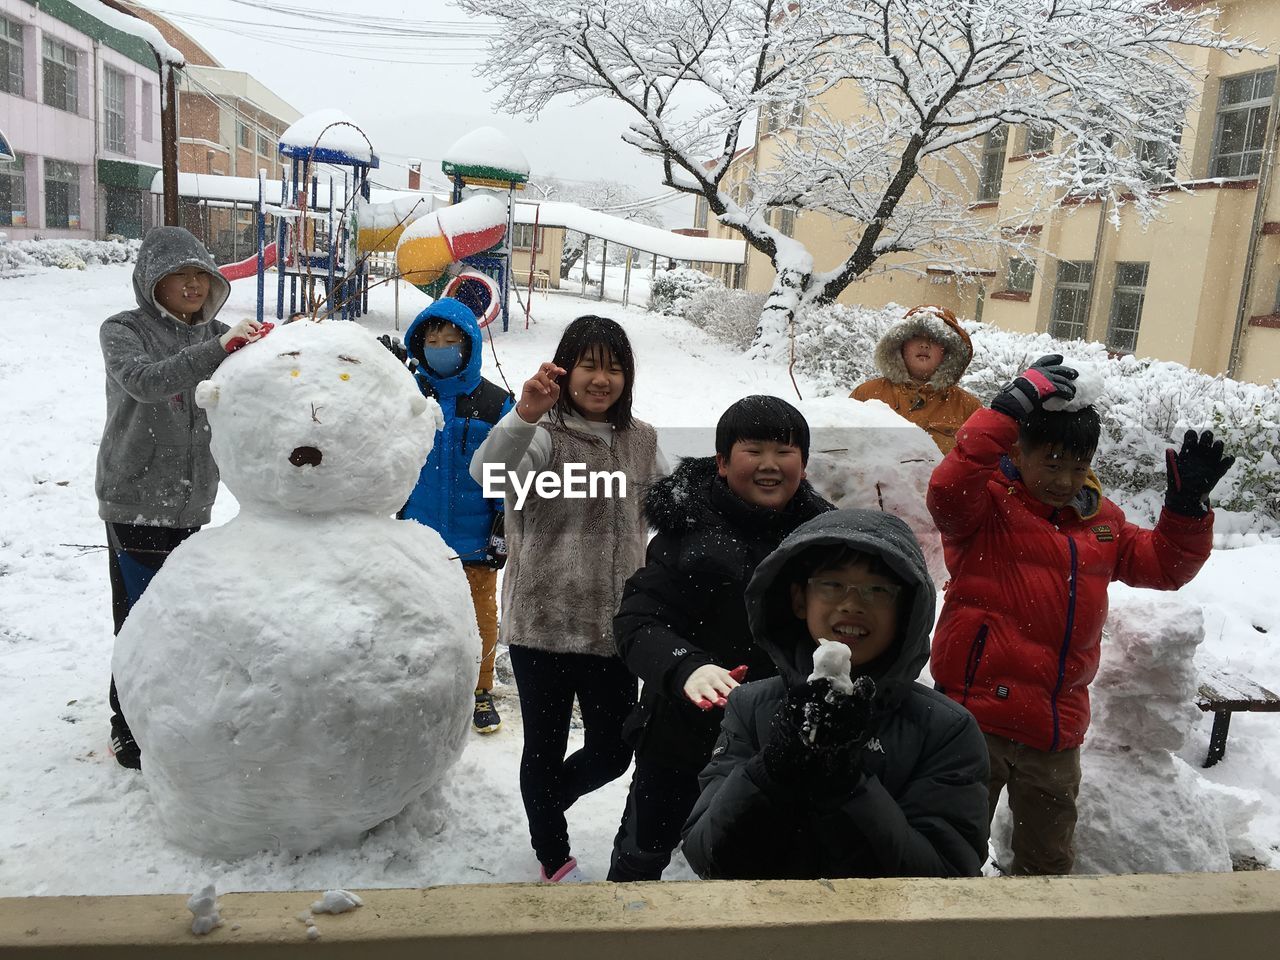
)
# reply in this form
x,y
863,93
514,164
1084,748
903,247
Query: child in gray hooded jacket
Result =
x,y
156,479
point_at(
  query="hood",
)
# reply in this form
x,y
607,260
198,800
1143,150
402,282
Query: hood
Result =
x,y
937,323
1086,503
464,318
693,496
166,250
779,633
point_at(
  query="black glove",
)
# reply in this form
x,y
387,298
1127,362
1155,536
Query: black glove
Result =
x,y
817,735
1046,378
395,346
1193,471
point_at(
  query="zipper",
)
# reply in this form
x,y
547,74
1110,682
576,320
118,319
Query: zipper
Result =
x,y
973,660
1066,643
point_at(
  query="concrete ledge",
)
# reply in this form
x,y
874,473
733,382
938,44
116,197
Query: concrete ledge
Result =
x,y
1098,918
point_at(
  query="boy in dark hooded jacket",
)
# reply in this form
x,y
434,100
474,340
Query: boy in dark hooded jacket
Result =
x,y
446,342
810,779
682,623
156,479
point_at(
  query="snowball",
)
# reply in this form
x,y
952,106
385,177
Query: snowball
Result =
x,y
204,910
336,901
1089,388
301,673
864,455
831,662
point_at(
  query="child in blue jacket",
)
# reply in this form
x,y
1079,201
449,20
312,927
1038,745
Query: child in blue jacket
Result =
x,y
446,342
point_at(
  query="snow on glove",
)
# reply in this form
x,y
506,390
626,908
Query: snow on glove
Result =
x,y
395,346
1193,472
817,736
1046,378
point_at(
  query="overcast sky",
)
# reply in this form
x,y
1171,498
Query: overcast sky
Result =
x,y
413,94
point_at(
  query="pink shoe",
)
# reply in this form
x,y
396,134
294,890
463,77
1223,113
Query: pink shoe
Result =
x,y
569,873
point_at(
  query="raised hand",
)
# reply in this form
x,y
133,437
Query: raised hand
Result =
x,y
1193,472
1045,378
540,393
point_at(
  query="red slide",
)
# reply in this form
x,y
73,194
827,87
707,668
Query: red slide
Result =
x,y
248,267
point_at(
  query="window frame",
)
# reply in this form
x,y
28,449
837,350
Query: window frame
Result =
x,y
70,78
1030,146
244,132
995,145
701,213
52,169
264,141
13,80
15,173
1082,291
1012,273
784,220
111,75
1257,108
517,234
1127,290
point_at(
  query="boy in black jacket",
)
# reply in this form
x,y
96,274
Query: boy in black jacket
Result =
x,y
868,775
682,623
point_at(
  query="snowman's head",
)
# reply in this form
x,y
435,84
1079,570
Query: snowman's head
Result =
x,y
318,418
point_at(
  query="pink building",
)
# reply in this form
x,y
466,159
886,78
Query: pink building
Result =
x,y
80,105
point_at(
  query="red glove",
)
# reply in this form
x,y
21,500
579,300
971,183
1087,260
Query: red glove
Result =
x,y
739,674
235,343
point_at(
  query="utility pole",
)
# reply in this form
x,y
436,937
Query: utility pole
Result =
x,y
169,139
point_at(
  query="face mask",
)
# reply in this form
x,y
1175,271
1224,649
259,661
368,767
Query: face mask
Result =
x,y
444,361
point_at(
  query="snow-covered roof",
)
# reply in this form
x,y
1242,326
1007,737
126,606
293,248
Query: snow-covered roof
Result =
x,y
486,152
340,140
629,233
134,27
203,186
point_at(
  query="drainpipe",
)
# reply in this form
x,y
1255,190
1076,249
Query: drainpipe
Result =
x,y
99,208
1255,229
1094,286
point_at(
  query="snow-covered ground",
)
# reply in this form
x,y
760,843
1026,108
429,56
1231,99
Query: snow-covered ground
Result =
x,y
73,822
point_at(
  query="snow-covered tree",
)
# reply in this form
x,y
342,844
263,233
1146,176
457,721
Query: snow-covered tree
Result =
x,y
1111,79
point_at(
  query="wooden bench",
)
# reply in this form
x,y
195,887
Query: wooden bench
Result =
x,y
1225,692
541,279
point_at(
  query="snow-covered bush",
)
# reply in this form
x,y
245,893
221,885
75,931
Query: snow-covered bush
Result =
x,y
66,254
671,290
728,315
1147,405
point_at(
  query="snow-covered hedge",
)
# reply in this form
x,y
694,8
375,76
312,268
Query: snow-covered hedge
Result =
x,y
671,290
1147,405
728,315
22,255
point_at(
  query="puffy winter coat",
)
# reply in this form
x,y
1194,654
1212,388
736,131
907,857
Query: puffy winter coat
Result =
x,y
446,498
154,464
684,608
1018,638
920,807
939,406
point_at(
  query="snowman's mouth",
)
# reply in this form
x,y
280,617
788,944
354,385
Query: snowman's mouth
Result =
x,y
305,457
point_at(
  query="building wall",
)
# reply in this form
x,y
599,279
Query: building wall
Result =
x,y
41,133
1196,249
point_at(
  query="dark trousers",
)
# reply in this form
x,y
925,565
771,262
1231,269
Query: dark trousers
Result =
x,y
1043,788
658,804
550,783
135,553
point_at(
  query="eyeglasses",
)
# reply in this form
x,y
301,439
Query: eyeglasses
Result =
x,y
872,594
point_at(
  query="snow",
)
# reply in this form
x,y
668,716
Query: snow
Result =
x,y
204,910
1090,388
488,147
831,662
328,130
336,901
61,794
134,27
641,236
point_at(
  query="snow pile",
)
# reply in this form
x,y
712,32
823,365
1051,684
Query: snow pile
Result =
x,y
1142,809
65,254
1089,388
204,910
301,673
672,290
488,147
831,662
336,901
866,456
328,130
399,210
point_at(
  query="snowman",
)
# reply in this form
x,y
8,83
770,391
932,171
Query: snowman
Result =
x,y
301,673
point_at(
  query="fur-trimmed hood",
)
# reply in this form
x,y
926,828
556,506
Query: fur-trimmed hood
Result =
x,y
936,323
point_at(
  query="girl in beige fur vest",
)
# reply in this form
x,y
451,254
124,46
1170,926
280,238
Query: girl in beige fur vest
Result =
x,y
568,559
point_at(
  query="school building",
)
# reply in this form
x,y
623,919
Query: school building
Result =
x,y
1199,286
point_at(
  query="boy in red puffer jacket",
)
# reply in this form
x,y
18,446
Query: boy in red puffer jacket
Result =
x,y
1032,545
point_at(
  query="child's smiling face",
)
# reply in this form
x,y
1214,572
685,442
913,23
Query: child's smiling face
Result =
x,y
1050,474
596,383
764,473
850,605
922,356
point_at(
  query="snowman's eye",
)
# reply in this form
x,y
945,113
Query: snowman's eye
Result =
x,y
344,376
294,373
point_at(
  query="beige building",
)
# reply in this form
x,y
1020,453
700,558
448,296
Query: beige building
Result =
x,y
1200,283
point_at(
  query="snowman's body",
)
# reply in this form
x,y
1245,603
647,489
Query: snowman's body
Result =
x,y
303,672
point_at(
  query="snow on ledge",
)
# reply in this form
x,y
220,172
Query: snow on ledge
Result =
x,y
134,27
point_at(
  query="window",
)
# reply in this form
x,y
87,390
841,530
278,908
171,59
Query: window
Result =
x,y
264,145
61,75
1275,309
784,221
13,194
1022,274
61,195
1070,314
1039,139
1158,160
700,211
11,57
147,108
522,236
779,115
1244,103
991,171
1126,307
244,136
113,107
